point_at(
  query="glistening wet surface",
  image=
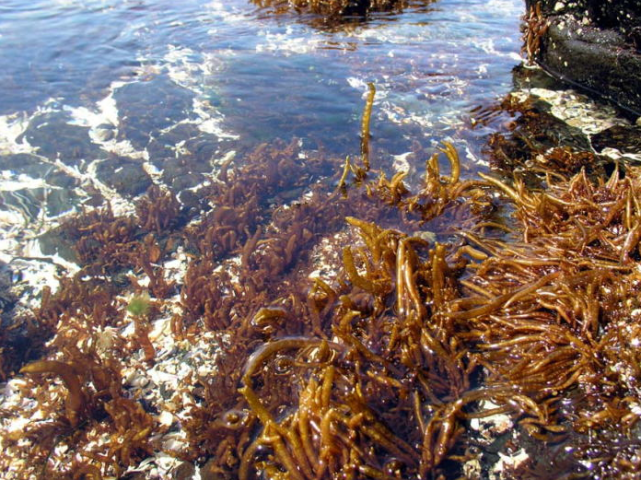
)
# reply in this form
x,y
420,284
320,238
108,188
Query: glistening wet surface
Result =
x,y
157,84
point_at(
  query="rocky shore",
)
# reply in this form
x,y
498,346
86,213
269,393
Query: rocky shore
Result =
x,y
592,44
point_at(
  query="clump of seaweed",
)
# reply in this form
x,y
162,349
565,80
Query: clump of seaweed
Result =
x,y
440,310
533,27
102,240
158,211
531,141
335,11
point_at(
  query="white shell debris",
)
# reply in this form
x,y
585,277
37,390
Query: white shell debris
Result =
x,y
579,111
498,471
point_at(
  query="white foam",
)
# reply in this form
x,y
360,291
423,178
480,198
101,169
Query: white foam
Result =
x,y
11,127
289,43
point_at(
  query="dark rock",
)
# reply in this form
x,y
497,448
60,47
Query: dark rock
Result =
x,y
594,60
622,15
525,78
159,153
134,476
124,175
594,45
56,138
190,200
7,298
211,471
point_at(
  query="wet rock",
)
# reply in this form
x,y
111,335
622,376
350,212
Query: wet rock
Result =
x,y
542,130
27,201
57,139
146,108
626,139
525,78
184,471
124,175
34,167
55,242
188,180
594,45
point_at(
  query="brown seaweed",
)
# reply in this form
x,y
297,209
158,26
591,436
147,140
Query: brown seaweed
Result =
x,y
365,125
430,311
334,11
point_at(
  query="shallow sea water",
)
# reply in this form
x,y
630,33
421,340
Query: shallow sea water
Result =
x,y
119,76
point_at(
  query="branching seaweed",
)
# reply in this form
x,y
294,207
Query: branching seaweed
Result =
x,y
358,332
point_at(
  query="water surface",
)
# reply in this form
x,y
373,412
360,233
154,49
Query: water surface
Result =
x,y
243,75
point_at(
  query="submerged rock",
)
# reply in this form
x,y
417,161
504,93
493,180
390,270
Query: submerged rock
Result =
x,y
124,175
34,167
56,242
146,108
57,139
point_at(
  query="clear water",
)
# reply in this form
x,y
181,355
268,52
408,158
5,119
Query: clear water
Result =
x,y
243,75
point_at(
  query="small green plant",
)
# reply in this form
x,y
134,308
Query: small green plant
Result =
x,y
139,305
